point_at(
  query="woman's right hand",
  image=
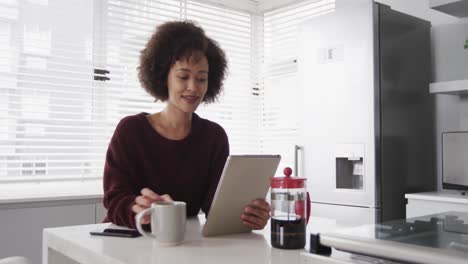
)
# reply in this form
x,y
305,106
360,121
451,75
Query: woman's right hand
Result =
x,y
145,200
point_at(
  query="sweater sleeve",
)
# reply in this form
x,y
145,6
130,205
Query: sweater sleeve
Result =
x,y
221,153
119,191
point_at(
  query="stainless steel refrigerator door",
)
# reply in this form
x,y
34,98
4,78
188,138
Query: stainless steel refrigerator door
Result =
x,y
336,73
405,157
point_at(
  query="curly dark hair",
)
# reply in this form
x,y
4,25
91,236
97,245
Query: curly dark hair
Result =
x,y
175,41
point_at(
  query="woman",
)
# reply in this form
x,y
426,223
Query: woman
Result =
x,y
173,154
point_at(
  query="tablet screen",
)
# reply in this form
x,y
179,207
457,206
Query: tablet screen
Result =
x,y
244,178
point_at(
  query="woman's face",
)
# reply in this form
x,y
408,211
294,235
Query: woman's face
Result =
x,y
187,83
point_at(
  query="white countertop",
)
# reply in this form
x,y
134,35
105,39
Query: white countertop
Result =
x,y
50,191
254,247
443,196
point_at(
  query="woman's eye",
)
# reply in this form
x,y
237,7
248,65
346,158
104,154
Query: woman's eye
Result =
x,y
183,77
201,80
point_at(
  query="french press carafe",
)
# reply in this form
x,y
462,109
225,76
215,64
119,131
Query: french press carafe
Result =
x,y
290,211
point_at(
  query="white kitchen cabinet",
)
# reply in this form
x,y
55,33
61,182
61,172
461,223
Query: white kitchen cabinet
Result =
x,y
420,204
26,209
22,224
101,212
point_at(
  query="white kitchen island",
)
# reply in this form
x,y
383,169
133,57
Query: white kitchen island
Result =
x,y
431,239
74,244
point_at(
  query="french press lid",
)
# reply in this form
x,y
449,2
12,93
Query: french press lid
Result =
x,y
287,182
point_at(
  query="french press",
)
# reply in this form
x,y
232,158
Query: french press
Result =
x,y
290,211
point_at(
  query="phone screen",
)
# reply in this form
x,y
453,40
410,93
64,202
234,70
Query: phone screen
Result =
x,y
117,232
122,231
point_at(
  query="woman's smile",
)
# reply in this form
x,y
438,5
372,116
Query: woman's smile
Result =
x,y
191,99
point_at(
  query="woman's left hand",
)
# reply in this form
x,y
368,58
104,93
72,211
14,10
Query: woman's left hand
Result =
x,y
256,214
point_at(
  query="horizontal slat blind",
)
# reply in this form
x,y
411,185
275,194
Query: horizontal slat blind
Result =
x,y
56,118
238,110
280,94
122,32
68,74
126,27
46,90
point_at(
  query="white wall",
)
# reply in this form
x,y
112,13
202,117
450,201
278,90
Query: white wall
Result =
x,y
243,5
450,62
267,5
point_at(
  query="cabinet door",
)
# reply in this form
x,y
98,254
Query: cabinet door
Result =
x,y
21,229
101,212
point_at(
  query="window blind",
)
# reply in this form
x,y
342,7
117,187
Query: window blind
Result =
x,y
68,74
46,70
238,109
280,92
123,44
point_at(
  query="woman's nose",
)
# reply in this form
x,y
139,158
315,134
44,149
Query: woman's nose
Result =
x,y
192,85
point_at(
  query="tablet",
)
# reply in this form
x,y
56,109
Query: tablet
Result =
x,y
244,178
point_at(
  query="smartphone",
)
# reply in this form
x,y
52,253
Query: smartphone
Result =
x,y
117,232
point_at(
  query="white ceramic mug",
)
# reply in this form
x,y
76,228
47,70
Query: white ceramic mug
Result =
x,y
167,222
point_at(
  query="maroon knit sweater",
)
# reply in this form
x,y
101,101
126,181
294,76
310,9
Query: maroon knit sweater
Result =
x,y
138,157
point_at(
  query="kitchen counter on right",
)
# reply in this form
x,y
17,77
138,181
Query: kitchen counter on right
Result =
x,y
426,203
430,239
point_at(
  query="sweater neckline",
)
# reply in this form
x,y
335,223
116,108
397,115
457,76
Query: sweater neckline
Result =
x,y
195,122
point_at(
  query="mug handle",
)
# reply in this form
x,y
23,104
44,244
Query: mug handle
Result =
x,y
138,219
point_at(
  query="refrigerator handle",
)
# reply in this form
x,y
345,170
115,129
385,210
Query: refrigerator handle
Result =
x,y
296,159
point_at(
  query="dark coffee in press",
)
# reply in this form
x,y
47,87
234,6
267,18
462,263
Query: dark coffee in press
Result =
x,y
288,234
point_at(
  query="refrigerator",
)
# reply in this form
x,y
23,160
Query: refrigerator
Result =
x,y
367,128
